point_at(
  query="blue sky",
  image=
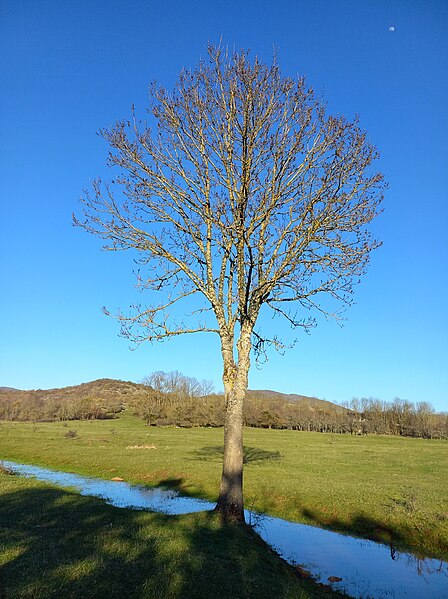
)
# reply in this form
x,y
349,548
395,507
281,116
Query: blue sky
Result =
x,y
70,68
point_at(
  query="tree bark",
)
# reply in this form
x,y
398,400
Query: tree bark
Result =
x,y
230,501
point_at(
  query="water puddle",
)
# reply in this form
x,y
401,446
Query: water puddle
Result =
x,y
367,570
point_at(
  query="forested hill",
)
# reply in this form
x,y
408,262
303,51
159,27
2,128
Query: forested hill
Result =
x,y
107,389
117,391
303,400
172,399
97,399
165,399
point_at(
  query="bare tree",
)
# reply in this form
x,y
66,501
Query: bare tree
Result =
x,y
244,194
176,384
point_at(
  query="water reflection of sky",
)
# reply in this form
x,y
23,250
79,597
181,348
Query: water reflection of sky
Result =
x,y
367,569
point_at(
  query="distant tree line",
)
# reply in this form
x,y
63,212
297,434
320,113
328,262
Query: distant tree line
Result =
x,y
40,409
176,400
400,417
173,399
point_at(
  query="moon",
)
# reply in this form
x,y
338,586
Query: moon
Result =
x,y
391,28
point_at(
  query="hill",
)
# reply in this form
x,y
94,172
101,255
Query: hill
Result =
x,y
305,401
124,392
106,389
103,398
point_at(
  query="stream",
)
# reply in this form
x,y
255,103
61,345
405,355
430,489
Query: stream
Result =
x,y
367,570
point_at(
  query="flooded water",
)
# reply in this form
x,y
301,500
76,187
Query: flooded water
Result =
x,y
367,570
120,494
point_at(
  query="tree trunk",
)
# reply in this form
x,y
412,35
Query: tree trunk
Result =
x,y
230,502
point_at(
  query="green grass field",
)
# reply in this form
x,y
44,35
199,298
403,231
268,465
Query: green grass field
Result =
x,y
386,488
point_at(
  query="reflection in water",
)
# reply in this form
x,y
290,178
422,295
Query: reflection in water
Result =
x,y
359,567
366,567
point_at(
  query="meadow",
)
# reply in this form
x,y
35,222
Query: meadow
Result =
x,y
390,489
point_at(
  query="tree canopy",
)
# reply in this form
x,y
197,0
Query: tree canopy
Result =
x,y
244,191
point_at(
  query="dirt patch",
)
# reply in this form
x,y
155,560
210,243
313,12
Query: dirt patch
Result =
x,y
4,470
141,447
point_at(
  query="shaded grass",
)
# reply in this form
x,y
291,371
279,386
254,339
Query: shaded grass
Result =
x,y
56,543
385,488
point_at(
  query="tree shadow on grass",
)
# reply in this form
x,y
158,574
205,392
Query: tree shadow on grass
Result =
x,y
360,524
252,455
55,543
173,484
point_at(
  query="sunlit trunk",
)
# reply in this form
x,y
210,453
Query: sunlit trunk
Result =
x,y
230,502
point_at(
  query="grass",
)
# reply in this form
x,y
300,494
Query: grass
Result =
x,y
387,488
55,543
